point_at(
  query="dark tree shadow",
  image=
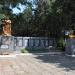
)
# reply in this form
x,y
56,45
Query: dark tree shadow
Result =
x,y
61,60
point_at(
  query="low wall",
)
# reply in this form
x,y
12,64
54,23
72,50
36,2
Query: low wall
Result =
x,y
33,42
17,43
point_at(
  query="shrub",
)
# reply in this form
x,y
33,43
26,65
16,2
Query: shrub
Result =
x,y
61,44
24,50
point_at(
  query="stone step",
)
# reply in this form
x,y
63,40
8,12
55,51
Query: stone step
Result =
x,y
5,52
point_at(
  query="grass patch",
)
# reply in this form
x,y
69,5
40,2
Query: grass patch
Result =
x,y
24,50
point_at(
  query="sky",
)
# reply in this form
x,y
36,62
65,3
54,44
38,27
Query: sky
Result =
x,y
16,11
22,8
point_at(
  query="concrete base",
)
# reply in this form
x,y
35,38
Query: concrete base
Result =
x,y
6,44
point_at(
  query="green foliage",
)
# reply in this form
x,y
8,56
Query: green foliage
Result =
x,y
24,50
47,18
61,44
1,17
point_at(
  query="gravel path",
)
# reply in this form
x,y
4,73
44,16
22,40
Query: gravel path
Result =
x,y
42,64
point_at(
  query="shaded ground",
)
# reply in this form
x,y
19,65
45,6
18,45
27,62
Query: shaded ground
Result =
x,y
41,50
43,64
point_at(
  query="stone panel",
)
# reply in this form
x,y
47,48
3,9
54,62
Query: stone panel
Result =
x,y
47,43
4,47
25,43
37,43
20,42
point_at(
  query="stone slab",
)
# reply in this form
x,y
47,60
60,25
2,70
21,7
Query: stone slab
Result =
x,y
4,46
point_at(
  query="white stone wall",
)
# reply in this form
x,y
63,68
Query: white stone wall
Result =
x,y
17,43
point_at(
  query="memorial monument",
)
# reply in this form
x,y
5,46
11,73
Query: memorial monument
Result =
x,y
6,39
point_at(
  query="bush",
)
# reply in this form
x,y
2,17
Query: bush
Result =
x,y
61,44
24,50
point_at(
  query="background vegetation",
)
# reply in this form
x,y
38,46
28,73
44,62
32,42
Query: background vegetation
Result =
x,y
47,18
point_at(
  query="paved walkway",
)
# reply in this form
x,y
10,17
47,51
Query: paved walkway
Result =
x,y
43,64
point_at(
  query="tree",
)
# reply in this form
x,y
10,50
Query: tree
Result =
x,y
46,18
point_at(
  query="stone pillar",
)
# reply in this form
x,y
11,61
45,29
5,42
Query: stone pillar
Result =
x,y
70,46
6,40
